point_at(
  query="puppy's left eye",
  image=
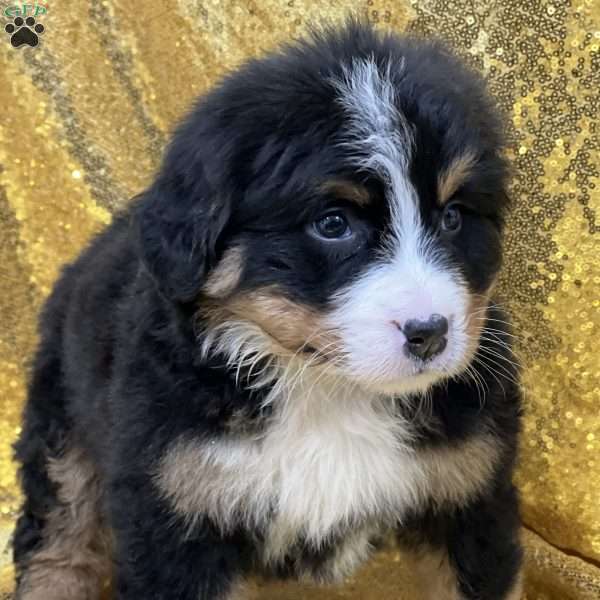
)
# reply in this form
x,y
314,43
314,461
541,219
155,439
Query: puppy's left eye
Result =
x,y
333,226
451,221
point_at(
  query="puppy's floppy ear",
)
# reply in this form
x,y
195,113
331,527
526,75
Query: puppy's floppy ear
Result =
x,y
179,223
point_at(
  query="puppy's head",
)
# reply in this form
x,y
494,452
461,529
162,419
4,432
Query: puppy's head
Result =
x,y
340,202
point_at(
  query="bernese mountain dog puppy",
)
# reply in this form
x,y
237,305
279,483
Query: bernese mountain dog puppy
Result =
x,y
287,346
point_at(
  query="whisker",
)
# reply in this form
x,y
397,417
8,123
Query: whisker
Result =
x,y
469,375
485,389
501,371
498,355
500,332
492,372
491,320
499,343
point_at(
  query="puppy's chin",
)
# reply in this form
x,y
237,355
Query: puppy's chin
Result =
x,y
416,384
417,379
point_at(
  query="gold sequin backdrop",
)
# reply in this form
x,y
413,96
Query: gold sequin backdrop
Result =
x,y
84,117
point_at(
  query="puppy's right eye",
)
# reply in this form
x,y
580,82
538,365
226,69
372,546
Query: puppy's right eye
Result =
x,y
332,226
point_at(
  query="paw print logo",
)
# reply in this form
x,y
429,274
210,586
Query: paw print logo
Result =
x,y
24,32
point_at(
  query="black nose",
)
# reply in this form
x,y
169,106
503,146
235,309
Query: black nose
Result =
x,y
425,339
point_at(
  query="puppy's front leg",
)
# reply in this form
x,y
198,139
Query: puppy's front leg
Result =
x,y
159,557
472,553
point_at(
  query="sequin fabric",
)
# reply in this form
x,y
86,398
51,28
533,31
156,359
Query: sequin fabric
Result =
x,y
85,114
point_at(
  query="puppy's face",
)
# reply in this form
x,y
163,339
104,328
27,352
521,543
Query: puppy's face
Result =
x,y
356,197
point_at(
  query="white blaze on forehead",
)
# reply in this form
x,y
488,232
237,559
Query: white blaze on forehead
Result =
x,y
380,139
409,280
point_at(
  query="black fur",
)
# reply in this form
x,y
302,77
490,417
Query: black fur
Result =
x,y
119,372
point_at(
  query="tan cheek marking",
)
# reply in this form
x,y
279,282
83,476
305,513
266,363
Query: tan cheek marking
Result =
x,y
227,274
73,560
474,325
347,190
292,325
477,310
455,175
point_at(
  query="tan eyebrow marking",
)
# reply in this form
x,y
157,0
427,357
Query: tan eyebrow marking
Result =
x,y
451,178
347,190
227,274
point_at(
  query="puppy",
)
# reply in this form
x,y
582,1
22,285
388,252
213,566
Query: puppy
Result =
x,y
286,347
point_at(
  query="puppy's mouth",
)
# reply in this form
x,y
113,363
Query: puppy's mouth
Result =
x,y
310,350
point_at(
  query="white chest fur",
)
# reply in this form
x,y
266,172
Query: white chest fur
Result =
x,y
330,457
